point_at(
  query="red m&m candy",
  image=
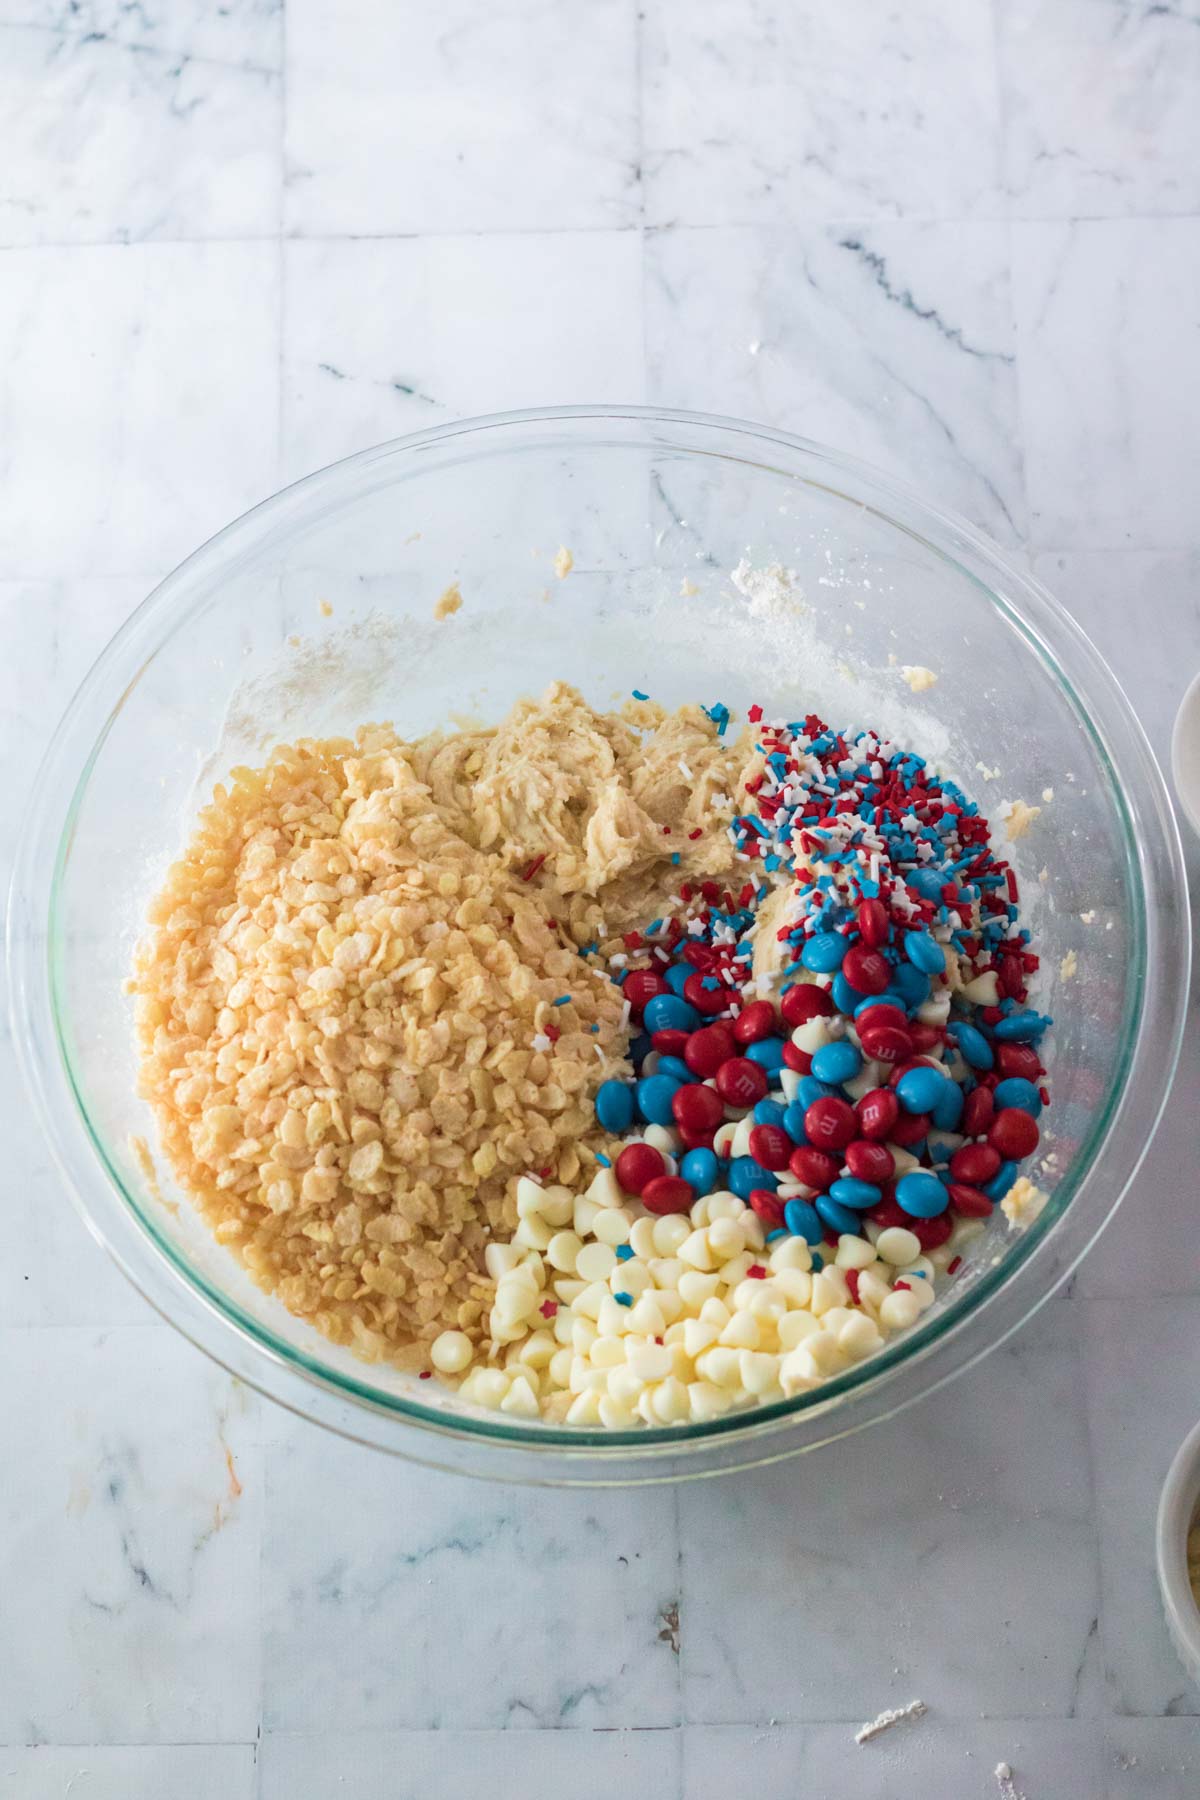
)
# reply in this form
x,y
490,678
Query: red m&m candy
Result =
x,y
1014,1134
706,1000
637,1165
885,1043
872,921
803,1001
930,1233
877,1113
641,986
815,1168
870,1162
969,1201
668,1194
979,1109
975,1164
909,1128
768,1206
741,1082
697,1108
670,1041
867,970
1018,1059
830,1123
754,1023
707,1048
771,1146
695,1140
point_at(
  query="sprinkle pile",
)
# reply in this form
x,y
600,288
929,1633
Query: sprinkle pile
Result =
x,y
835,1078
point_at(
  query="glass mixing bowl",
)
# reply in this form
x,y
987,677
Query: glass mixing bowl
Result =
x,y
314,613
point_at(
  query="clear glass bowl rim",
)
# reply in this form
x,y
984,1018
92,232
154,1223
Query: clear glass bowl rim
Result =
x,y
935,1351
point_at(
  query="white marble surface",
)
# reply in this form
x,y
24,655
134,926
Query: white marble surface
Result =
x,y
239,238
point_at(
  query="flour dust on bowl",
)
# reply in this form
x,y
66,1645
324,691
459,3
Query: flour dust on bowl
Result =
x,y
442,581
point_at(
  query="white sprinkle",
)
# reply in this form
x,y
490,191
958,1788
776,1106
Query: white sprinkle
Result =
x,y
1088,917
541,1041
1047,795
893,1715
685,771
625,1016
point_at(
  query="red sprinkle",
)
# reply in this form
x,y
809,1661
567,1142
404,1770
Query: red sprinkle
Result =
x,y
756,1272
754,714
852,1283
425,1375
548,1308
956,1264
534,866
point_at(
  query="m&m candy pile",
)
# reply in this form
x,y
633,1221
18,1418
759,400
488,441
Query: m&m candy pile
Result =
x,y
886,1070
834,1079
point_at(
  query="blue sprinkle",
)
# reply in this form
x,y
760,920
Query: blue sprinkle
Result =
x,y
603,1160
623,1299
640,696
563,1000
675,856
624,1252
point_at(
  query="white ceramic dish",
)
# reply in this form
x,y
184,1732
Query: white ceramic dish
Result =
x,y
1185,754
1176,1511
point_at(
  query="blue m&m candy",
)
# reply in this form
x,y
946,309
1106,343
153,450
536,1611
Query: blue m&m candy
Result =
x,y
836,1216
803,1221
793,1121
1021,1028
745,1175
668,1012
675,1067
767,1053
808,1089
912,984
701,1168
926,882
919,1090
845,998
824,952
1001,1181
948,1107
1014,1090
837,1062
848,1190
924,953
614,1106
921,1195
654,1096
974,1046
676,975
769,1112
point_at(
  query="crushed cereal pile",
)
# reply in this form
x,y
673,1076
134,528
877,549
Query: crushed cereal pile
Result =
x,y
361,1009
